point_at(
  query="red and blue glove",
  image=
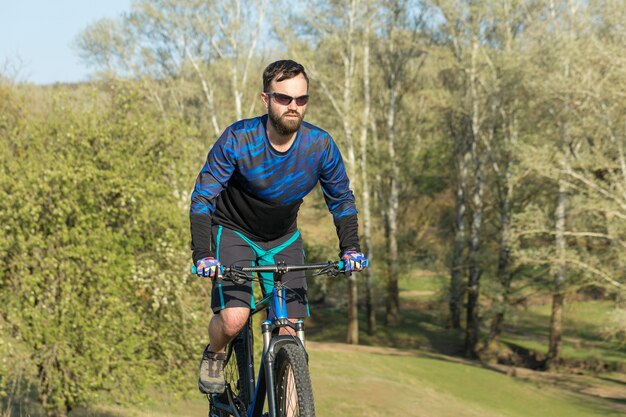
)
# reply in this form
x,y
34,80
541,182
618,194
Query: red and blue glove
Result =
x,y
208,267
354,261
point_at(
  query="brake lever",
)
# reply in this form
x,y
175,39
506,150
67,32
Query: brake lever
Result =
x,y
237,276
325,271
331,270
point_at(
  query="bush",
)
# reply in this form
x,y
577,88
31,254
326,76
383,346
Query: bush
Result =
x,y
93,258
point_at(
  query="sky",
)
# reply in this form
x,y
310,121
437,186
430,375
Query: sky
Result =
x,y
36,37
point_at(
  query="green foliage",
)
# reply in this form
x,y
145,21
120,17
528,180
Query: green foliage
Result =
x,y
574,139
93,259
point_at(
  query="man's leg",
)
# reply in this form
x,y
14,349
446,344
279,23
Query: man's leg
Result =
x,y
230,303
225,326
222,329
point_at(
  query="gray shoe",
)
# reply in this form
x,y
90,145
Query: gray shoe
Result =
x,y
211,379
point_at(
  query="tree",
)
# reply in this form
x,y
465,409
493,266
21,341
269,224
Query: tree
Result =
x,y
472,120
341,32
507,38
577,237
399,54
180,45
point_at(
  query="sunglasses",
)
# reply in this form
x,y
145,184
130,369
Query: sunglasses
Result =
x,y
285,100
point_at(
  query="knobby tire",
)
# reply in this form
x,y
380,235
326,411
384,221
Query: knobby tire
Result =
x,y
294,396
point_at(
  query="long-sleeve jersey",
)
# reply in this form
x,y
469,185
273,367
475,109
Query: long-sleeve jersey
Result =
x,y
248,186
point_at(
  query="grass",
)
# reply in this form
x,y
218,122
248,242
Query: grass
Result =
x,y
353,381
418,329
582,319
371,384
422,281
582,331
357,382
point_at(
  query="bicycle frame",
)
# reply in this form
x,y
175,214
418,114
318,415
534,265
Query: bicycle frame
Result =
x,y
277,318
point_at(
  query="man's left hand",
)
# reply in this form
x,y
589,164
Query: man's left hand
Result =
x,y
354,261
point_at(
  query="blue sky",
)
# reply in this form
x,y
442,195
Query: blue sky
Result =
x,y
37,36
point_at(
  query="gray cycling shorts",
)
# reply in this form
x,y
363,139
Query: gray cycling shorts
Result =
x,y
233,248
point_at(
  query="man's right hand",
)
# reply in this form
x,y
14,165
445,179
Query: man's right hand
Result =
x,y
209,267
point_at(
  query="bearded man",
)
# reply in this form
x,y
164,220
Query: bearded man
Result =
x,y
245,205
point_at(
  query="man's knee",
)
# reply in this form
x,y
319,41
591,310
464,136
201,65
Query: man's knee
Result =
x,y
233,320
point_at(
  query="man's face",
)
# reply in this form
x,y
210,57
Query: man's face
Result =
x,y
286,118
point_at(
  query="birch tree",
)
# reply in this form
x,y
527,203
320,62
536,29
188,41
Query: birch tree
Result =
x,y
472,124
507,67
400,52
340,31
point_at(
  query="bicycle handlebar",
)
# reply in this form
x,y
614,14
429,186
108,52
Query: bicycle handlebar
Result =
x,y
339,265
328,268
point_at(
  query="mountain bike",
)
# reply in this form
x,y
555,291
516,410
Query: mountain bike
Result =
x,y
283,375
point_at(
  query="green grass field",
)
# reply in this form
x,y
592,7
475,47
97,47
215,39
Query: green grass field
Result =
x,y
361,383
584,322
425,378
372,382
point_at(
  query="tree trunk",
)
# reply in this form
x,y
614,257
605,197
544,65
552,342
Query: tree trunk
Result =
x,y
349,58
457,290
365,192
556,331
503,274
558,298
352,336
393,297
472,333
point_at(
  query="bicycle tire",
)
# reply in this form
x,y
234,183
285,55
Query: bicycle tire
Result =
x,y
237,373
294,396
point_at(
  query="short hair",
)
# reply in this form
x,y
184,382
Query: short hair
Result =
x,y
282,70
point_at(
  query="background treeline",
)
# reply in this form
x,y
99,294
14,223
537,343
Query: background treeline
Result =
x,y
484,139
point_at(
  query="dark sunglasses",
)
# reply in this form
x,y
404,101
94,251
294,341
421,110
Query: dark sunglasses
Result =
x,y
285,100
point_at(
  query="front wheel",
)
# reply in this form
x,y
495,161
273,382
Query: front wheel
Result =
x,y
294,396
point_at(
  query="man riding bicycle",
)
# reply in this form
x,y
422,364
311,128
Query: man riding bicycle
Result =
x,y
245,204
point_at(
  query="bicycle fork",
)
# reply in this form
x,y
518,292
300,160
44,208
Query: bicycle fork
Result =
x,y
271,345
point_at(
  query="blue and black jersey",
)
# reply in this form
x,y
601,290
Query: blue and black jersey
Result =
x,y
248,186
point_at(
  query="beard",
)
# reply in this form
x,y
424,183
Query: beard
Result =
x,y
284,126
